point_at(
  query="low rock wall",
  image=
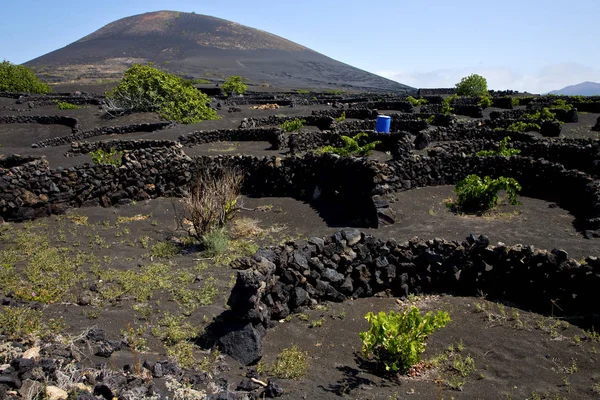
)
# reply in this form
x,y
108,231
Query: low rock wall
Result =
x,y
71,122
79,148
102,131
275,136
277,282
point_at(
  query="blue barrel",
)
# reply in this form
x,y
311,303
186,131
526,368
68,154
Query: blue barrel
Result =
x,y
383,124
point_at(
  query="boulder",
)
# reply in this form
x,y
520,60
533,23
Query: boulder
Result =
x,y
243,345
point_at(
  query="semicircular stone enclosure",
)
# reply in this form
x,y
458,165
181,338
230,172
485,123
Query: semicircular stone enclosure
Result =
x,y
317,232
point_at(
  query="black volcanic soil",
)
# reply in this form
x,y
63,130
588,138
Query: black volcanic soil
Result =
x,y
517,354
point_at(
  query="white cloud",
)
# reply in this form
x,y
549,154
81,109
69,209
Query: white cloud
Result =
x,y
550,77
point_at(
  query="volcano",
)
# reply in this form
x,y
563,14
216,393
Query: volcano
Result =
x,y
201,46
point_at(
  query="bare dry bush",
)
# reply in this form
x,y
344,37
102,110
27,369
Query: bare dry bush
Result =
x,y
213,197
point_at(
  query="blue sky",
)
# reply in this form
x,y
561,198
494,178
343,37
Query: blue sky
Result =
x,y
534,45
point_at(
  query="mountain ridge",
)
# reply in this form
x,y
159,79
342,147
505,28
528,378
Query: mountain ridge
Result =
x,y
201,46
586,88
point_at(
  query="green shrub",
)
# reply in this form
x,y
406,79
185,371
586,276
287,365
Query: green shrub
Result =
x,y
235,85
103,157
486,101
341,117
215,242
476,194
515,101
302,91
18,78
19,322
416,102
63,105
398,339
446,107
293,125
430,119
357,145
540,115
335,91
562,105
503,150
145,88
521,126
472,85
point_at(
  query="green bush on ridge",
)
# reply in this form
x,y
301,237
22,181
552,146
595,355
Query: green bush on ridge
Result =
x,y
20,79
235,85
145,88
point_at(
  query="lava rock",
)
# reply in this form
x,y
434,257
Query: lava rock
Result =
x,y
244,345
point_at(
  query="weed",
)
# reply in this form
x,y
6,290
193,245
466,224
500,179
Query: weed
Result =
x,y
342,315
77,219
144,241
183,354
139,285
317,323
63,105
213,199
164,250
173,329
291,363
215,242
456,383
19,322
245,228
463,367
134,338
303,317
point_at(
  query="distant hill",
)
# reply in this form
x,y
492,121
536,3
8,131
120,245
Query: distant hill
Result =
x,y
581,89
201,46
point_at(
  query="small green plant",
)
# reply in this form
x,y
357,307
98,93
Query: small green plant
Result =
x,y
18,78
335,91
521,126
465,366
503,150
446,105
430,119
235,85
317,323
540,115
293,125
291,363
476,194
63,105
103,157
164,250
398,339
562,105
341,117
416,102
486,101
302,91
18,322
215,242
472,85
358,145
515,101
135,338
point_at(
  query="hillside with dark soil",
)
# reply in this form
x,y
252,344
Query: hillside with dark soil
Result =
x,y
202,47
